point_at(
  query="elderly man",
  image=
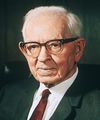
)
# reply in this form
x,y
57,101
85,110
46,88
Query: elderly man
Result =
x,y
53,46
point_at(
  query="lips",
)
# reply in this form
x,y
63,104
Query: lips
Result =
x,y
46,71
45,68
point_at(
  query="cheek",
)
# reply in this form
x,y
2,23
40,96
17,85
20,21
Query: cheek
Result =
x,y
66,63
32,65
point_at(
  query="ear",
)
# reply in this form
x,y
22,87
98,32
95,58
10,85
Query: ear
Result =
x,y
22,49
79,48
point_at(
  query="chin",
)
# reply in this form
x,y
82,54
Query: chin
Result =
x,y
48,81
45,79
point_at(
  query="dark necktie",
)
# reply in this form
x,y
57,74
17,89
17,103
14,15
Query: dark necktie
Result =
x,y
39,110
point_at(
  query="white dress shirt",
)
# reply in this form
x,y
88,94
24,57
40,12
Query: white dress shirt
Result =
x,y
57,93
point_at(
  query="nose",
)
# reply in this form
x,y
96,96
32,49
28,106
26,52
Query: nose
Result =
x,y
44,54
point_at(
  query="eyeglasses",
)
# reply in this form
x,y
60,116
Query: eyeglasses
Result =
x,y
52,46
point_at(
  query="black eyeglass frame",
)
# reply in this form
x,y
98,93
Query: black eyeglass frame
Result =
x,y
63,41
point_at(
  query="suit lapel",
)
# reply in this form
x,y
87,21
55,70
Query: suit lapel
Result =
x,y
70,102
24,107
26,100
67,108
63,110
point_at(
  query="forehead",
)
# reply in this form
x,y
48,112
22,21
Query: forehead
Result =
x,y
45,27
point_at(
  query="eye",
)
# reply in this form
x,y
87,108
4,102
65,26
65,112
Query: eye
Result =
x,y
32,46
54,44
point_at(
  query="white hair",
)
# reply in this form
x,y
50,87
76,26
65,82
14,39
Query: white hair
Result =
x,y
73,22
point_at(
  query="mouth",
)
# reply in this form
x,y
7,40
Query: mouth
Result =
x,y
46,71
45,68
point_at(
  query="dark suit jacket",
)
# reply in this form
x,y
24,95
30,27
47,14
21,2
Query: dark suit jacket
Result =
x,y
81,101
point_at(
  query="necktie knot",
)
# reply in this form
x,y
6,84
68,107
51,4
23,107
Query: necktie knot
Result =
x,y
45,93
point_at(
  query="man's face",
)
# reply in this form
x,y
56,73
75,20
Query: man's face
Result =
x,y
47,68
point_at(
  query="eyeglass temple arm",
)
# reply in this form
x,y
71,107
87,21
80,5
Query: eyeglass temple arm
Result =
x,y
69,40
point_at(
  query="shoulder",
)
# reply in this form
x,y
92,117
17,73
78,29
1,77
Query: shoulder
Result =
x,y
89,106
13,97
15,90
93,97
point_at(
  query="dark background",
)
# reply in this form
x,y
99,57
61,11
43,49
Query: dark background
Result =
x,y
11,21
